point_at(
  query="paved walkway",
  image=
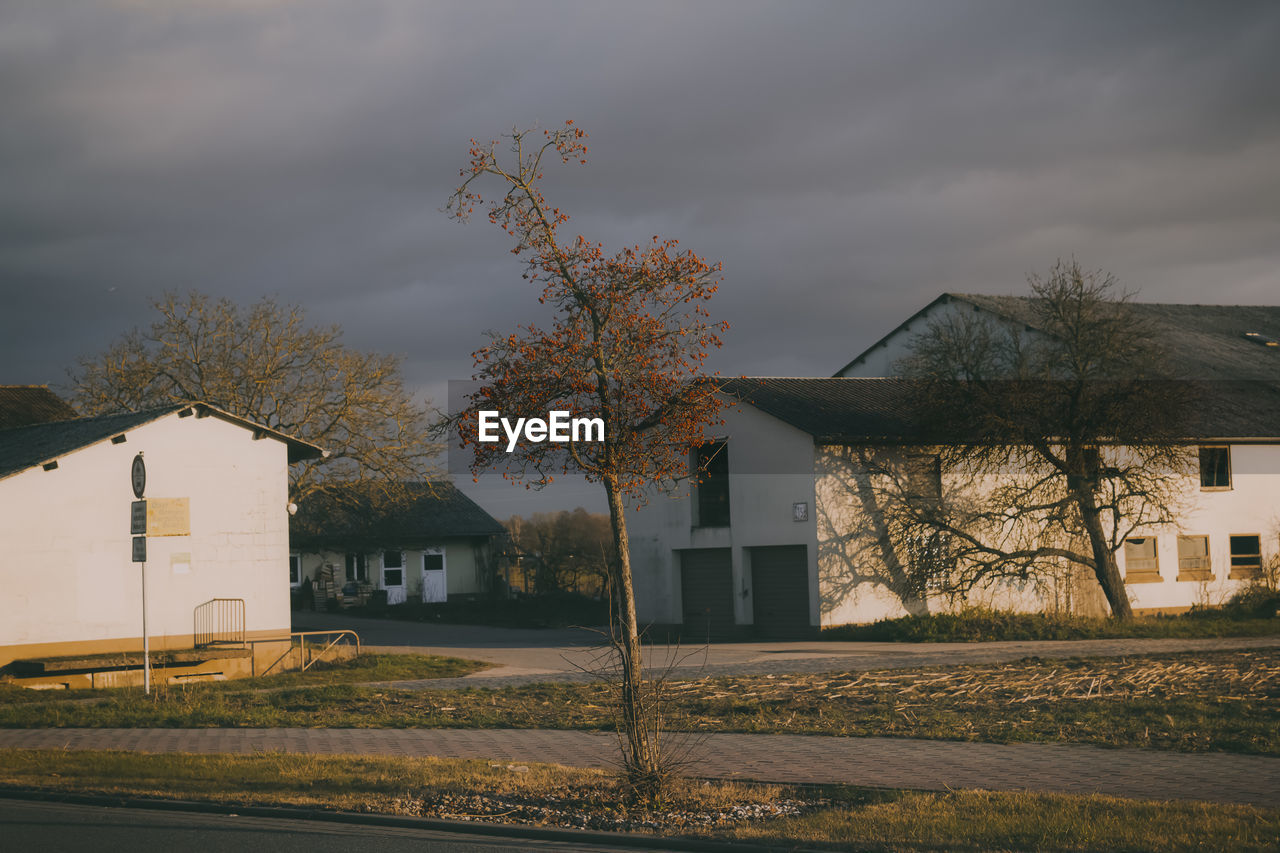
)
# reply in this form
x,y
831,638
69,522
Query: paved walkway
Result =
x,y
740,659
523,656
888,762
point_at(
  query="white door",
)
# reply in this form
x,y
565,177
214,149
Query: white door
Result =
x,y
393,576
434,586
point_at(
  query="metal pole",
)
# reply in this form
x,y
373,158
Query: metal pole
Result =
x,y
146,640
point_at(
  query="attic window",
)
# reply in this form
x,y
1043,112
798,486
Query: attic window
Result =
x,y
118,439
49,466
1264,340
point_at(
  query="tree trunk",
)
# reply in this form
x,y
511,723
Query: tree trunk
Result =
x,y
1104,559
642,762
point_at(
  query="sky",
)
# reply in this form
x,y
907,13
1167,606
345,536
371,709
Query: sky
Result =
x,y
847,162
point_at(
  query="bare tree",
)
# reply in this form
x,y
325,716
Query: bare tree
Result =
x,y
1061,441
564,551
265,364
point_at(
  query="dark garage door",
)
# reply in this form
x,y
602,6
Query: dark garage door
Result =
x,y
706,590
780,591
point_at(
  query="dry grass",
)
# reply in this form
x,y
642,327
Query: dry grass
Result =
x,y
425,787
1190,701
976,820
835,818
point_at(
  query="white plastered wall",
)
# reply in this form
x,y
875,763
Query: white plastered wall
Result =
x,y
69,575
770,469
1250,506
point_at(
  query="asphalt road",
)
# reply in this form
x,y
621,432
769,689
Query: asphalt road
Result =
x,y
42,826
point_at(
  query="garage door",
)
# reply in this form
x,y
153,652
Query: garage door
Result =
x,y
780,590
706,590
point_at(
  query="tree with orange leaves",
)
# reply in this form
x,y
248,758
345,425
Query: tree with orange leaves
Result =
x,y
627,343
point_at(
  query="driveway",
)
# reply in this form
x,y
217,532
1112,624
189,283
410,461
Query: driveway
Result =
x,y
522,656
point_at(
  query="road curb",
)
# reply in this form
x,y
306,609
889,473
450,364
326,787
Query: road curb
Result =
x,y
461,827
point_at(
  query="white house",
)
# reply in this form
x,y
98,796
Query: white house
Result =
x,y
780,539
430,544
217,492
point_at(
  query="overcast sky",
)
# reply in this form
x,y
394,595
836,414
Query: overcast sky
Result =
x,y
847,162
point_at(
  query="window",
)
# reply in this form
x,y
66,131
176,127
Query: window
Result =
x,y
1246,556
1215,467
1193,559
924,478
711,469
295,569
1141,563
392,568
357,568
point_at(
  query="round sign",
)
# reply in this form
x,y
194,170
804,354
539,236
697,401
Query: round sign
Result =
x,y
138,476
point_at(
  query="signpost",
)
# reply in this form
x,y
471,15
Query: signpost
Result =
x,y
138,524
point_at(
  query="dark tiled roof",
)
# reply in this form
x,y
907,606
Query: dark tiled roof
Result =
x,y
23,405
29,446
853,411
428,512
842,411
1197,341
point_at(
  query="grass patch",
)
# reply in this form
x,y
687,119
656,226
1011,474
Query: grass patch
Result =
x,y
977,820
371,667
980,625
1192,701
839,818
362,668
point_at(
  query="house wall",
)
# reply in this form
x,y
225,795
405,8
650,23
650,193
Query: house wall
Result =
x,y
1250,506
770,469
858,586
772,466
68,584
882,359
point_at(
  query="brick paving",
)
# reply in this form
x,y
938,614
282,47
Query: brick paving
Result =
x,y
888,762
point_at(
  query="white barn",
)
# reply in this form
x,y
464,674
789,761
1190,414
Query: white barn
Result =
x,y
776,542
779,540
217,488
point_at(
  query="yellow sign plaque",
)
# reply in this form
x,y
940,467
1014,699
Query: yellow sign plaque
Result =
x,y
169,516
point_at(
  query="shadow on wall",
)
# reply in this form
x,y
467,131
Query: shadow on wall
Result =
x,y
864,541
880,560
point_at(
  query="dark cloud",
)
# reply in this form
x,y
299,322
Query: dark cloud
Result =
x,y
846,161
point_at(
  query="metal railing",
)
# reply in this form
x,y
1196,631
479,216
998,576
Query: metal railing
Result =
x,y
308,655
219,622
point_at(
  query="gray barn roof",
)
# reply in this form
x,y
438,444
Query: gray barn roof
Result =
x,y
346,519
39,444
1198,341
872,411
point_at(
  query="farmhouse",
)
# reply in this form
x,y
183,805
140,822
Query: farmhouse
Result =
x,y
784,534
216,520
428,544
782,537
